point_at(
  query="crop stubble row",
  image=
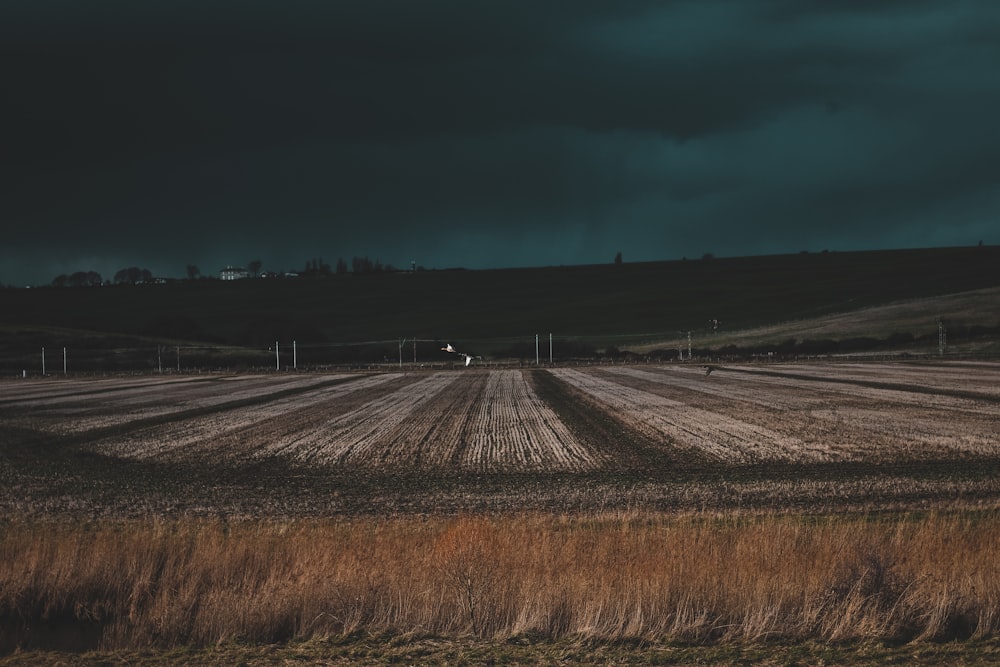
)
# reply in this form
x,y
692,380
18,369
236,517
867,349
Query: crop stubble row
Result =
x,y
493,419
67,408
836,421
241,433
476,420
965,376
686,425
480,421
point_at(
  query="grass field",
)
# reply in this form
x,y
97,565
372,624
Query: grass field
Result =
x,y
604,578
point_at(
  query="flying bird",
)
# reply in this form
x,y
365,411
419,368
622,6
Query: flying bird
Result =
x,y
468,357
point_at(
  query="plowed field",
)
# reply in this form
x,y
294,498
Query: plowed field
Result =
x,y
664,436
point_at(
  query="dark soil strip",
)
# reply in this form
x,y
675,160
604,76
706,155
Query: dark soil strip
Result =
x,y
88,486
108,390
592,424
896,386
52,443
233,442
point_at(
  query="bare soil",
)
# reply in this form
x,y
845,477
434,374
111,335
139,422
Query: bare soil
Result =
x,y
663,437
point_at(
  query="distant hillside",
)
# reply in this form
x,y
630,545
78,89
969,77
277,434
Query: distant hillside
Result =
x,y
626,306
962,323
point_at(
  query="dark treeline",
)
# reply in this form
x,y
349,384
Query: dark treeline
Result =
x,y
314,267
132,275
357,266
78,279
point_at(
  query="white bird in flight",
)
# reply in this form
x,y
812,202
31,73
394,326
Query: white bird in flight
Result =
x,y
468,357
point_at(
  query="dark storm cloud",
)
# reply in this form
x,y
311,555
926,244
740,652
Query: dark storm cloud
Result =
x,y
491,134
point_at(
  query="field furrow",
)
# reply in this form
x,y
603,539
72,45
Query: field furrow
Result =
x,y
875,425
483,420
41,392
979,377
354,437
238,431
433,435
951,397
106,406
792,412
512,428
689,427
474,420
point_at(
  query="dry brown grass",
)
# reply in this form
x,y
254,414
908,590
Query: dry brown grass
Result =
x,y
604,577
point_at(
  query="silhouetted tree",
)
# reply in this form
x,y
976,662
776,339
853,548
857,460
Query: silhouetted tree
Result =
x,y
316,267
361,265
133,275
77,279
618,257
341,266
254,267
193,272
85,279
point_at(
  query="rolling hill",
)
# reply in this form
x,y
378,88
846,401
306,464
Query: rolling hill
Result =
x,y
760,301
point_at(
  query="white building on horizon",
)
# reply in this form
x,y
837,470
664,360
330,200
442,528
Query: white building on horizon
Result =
x,y
233,273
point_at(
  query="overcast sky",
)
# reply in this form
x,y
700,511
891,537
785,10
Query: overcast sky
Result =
x,y
490,134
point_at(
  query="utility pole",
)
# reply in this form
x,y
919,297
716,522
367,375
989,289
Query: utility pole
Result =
x,y
178,358
295,356
64,361
536,349
942,336
43,362
550,349
689,346
277,357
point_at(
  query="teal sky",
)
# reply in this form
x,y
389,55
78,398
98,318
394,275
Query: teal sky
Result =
x,y
517,133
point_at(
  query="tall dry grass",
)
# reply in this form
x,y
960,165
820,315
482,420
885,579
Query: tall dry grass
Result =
x,y
609,576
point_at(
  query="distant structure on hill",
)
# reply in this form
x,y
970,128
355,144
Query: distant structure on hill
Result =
x,y
233,273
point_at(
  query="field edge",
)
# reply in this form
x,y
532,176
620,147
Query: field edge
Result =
x,y
428,650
